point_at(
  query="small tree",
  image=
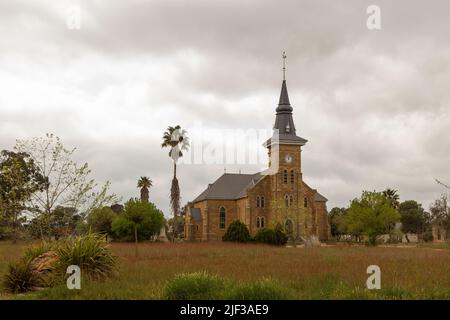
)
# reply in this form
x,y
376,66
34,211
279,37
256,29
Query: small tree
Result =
x,y
19,180
140,220
336,216
237,231
100,220
412,217
372,214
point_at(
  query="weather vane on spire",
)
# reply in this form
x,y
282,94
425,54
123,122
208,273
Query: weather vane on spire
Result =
x,y
284,65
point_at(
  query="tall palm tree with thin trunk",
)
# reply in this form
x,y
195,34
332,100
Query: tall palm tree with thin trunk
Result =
x,y
176,139
145,183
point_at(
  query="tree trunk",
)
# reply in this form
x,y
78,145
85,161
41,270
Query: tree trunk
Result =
x,y
175,213
406,237
135,241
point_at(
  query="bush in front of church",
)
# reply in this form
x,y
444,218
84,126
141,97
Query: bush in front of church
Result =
x,y
237,232
271,236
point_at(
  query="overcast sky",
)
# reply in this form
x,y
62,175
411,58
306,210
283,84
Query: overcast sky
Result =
x,y
374,104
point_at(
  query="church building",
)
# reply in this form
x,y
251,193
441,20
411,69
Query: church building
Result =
x,y
277,196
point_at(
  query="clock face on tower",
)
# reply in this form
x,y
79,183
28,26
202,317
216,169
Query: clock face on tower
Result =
x,y
288,158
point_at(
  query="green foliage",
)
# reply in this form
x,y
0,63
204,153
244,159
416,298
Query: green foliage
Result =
x,y
45,265
371,215
263,289
194,286
144,183
91,253
147,219
427,236
67,184
336,216
100,220
20,277
272,236
237,231
20,178
412,217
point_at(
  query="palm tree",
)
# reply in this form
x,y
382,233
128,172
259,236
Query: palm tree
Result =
x,y
176,139
393,197
145,184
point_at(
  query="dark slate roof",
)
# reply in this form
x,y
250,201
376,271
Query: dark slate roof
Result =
x,y
319,198
230,186
284,123
195,214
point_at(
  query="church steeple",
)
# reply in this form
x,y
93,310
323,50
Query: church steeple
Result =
x,y
284,122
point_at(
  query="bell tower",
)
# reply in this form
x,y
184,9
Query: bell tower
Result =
x,y
284,149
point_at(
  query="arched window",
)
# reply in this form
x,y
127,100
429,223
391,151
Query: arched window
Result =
x,y
305,202
258,222
262,202
286,200
258,201
285,177
263,222
222,218
292,177
291,200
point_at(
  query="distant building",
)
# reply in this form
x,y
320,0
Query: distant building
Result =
x,y
439,233
261,199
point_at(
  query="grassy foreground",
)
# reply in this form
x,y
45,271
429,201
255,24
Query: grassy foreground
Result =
x,y
335,272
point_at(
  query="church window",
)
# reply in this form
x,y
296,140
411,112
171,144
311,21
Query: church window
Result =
x,y
292,176
285,177
305,202
222,218
263,222
258,201
291,200
258,222
262,202
286,200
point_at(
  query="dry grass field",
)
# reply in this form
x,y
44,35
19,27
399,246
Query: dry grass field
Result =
x,y
334,272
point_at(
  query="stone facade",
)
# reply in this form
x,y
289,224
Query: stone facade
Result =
x,y
277,196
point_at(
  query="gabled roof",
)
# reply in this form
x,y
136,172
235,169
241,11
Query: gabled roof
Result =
x,y
319,198
230,186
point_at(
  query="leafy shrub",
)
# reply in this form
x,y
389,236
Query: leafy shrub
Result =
x,y
271,236
144,215
265,235
194,286
91,253
427,236
263,289
100,220
45,265
236,232
20,277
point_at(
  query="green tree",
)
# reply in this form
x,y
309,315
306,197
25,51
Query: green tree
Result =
x,y
139,221
393,197
336,216
19,180
144,183
412,217
67,183
372,214
237,231
100,220
177,141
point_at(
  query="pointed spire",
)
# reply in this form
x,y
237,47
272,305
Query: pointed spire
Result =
x,y
284,97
